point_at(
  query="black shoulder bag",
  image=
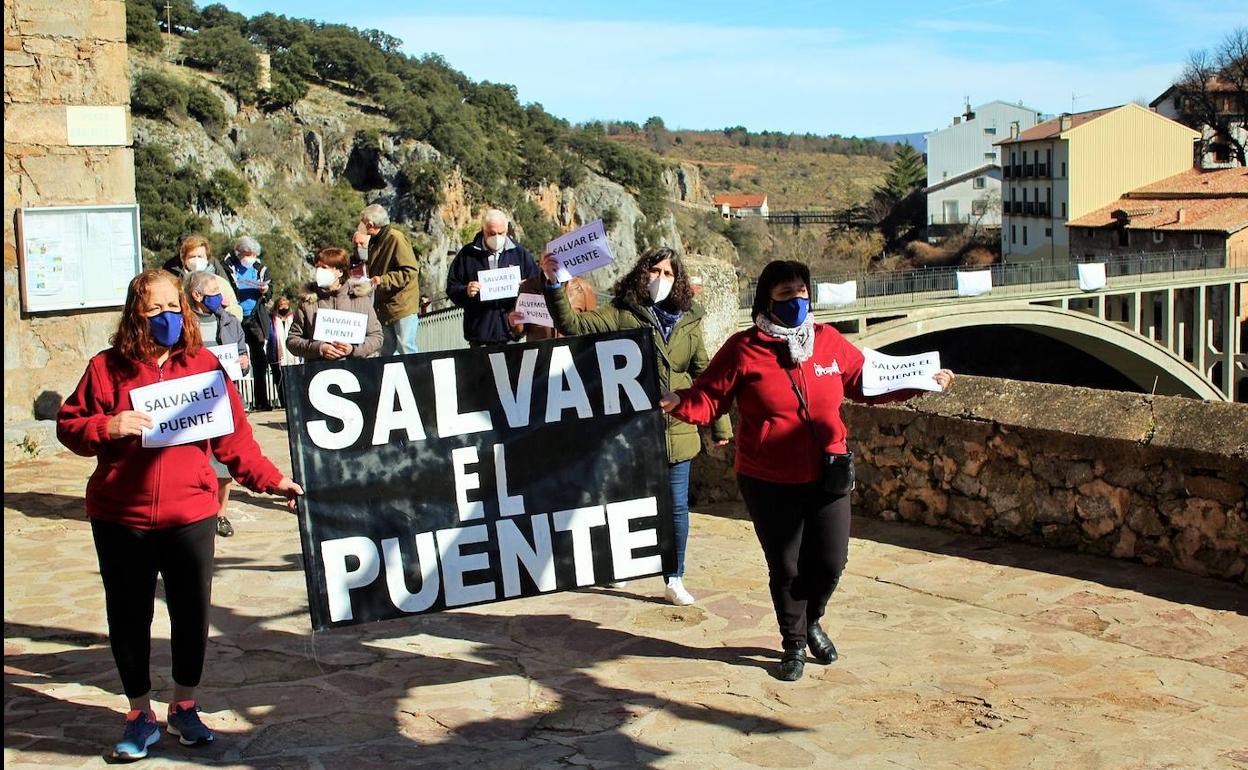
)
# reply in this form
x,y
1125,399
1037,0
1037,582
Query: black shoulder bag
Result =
x,y
838,469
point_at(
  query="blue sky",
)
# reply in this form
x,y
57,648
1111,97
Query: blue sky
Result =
x,y
862,68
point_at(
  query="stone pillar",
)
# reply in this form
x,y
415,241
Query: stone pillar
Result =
x,y
718,295
58,54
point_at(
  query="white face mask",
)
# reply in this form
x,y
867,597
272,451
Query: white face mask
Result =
x,y
496,243
197,264
660,287
248,261
325,277
361,252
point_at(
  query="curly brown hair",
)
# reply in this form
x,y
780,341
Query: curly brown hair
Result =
x,y
634,287
133,338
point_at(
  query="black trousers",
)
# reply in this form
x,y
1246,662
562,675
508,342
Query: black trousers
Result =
x,y
129,560
804,533
256,332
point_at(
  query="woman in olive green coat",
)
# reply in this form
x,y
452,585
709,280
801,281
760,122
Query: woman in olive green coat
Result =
x,y
655,295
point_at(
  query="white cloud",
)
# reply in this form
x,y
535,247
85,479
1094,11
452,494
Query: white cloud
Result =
x,y
817,79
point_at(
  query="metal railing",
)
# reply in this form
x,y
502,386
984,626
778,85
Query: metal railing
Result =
x,y
1020,276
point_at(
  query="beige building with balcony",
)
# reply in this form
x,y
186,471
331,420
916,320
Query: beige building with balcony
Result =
x,y
1071,165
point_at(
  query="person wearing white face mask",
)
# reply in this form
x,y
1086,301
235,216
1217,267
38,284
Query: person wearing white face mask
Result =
x,y
485,321
655,295
334,289
193,256
250,278
395,276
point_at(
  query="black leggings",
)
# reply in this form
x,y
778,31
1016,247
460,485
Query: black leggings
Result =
x,y
129,562
805,537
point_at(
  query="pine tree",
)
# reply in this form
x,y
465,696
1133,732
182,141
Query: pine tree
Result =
x,y
906,172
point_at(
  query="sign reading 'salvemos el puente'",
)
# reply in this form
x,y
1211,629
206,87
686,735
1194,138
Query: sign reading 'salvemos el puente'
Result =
x,y
447,479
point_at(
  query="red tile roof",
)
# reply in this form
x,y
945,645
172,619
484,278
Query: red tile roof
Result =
x,y
1200,201
1197,182
743,201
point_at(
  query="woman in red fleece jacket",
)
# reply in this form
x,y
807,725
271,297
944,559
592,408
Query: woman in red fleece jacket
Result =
x,y
804,531
154,510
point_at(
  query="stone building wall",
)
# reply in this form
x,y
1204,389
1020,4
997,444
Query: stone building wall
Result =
x,y
1161,480
56,54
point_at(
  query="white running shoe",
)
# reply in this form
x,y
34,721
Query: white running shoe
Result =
x,y
676,593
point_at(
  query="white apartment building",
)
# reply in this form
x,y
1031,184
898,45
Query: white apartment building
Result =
x,y
963,167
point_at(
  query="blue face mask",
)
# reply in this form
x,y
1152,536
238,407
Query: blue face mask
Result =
x,y
166,328
213,302
791,312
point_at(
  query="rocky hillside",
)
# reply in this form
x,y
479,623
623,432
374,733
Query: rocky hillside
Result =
x,y
292,161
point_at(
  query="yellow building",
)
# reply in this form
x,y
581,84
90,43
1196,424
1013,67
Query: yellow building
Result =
x,y
1074,164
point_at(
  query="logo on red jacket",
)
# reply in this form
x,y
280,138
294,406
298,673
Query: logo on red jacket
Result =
x,y
829,370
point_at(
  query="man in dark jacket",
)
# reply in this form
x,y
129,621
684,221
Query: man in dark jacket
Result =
x,y
485,321
250,279
395,274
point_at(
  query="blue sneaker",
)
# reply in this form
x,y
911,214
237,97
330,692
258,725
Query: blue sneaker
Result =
x,y
141,732
184,723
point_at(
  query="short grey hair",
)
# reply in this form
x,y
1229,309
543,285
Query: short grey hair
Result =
x,y
247,245
493,215
375,216
199,282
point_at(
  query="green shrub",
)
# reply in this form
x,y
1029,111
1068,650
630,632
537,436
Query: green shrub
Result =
x,y
333,219
157,96
224,190
203,105
142,29
424,181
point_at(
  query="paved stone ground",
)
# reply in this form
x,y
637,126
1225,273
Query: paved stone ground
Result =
x,y
956,653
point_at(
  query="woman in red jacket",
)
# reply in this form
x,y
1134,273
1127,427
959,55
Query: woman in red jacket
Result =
x,y
788,376
154,510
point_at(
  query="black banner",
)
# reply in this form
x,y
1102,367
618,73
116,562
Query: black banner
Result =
x,y
465,477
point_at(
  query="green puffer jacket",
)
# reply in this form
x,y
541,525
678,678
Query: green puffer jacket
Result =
x,y
679,360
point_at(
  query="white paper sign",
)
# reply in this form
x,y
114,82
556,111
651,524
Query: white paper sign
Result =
x,y
185,410
499,283
532,308
974,283
581,250
1091,276
340,326
228,356
884,373
837,294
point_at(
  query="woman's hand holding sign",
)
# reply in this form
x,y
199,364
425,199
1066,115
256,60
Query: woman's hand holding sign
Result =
x,y
669,401
127,423
550,266
332,351
944,378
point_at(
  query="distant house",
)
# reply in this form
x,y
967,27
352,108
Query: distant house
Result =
x,y
1069,166
963,168
1198,209
744,205
1214,151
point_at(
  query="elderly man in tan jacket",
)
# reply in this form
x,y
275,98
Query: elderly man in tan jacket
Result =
x,y
395,273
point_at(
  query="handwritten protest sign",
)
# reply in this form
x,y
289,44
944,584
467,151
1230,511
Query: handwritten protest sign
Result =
x,y
499,283
532,309
581,250
837,294
340,326
884,373
185,410
462,477
228,356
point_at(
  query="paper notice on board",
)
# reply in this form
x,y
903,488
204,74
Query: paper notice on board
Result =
x,y
883,373
185,409
581,250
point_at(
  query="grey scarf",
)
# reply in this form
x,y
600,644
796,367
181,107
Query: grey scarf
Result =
x,y
801,339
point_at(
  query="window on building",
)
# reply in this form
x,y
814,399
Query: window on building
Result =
x,y
990,130
1024,235
1013,233
980,183
979,208
1013,158
1124,237
1063,169
1221,153
1063,209
1048,232
1158,236
1198,240
990,156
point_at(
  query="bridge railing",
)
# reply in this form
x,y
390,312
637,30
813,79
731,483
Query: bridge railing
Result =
x,y
1018,276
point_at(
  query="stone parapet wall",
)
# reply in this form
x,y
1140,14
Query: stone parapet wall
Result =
x,y
1161,480
56,54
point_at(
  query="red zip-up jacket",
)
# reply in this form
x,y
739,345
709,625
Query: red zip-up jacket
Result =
x,y
160,487
774,443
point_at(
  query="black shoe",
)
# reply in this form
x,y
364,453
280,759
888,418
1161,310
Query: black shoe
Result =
x,y
821,647
224,527
792,665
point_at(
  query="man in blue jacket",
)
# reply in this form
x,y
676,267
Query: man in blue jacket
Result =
x,y
485,321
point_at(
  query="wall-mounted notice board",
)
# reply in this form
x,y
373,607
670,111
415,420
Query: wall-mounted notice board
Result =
x,y
77,257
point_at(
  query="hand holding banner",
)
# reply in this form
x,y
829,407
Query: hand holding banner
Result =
x,y
581,250
185,410
884,373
